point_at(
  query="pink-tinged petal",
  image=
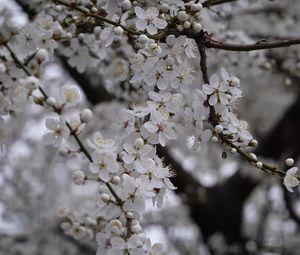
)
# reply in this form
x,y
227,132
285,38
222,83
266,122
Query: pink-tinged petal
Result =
x,y
140,12
160,23
141,24
151,29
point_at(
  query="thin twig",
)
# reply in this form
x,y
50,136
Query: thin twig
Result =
x,y
262,45
201,43
72,133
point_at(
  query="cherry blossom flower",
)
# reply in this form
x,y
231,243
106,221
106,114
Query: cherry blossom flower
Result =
x,y
216,91
160,129
149,20
100,143
137,154
70,95
131,246
125,123
104,164
59,131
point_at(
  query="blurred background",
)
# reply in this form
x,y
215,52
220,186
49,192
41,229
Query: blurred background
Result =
x,y
220,206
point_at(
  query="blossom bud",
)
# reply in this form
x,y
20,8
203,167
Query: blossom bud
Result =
x,y
182,16
289,161
42,55
97,30
81,37
180,27
63,152
86,115
118,30
197,27
94,9
116,179
196,7
78,177
105,197
51,101
58,8
66,225
136,228
155,48
235,81
32,82
214,139
164,7
252,155
129,215
89,234
259,164
116,226
186,24
219,129
253,143
126,5
143,39
15,27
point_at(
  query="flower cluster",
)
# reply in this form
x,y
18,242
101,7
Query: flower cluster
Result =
x,y
135,44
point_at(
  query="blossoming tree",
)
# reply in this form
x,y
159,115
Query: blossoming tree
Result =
x,y
151,57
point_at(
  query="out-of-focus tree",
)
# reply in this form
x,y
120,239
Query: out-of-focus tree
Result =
x,y
111,109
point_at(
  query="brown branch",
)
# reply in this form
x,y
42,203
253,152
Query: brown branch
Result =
x,y
210,3
262,45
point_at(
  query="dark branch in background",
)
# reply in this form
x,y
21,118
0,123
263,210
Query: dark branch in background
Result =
x,y
26,9
96,93
210,3
262,45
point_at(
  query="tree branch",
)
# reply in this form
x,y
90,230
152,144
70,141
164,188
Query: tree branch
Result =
x,y
262,45
210,3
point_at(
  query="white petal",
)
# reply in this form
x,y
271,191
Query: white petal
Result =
x,y
151,29
213,99
152,128
141,24
140,12
160,23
